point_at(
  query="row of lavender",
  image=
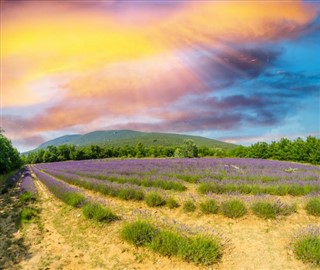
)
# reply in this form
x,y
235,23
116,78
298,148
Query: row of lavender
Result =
x,y
209,252
11,182
218,169
248,176
27,182
142,232
21,179
92,208
154,198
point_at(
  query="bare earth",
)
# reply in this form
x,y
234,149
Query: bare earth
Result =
x,y
63,239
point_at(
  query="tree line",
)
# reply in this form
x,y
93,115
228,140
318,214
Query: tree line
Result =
x,y
71,152
291,150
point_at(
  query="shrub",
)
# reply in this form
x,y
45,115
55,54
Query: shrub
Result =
x,y
266,210
209,207
233,208
27,197
307,249
97,212
286,209
204,188
188,177
138,233
154,199
313,207
169,185
167,243
130,194
189,206
72,198
200,250
172,203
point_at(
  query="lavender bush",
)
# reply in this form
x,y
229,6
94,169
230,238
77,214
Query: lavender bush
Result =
x,y
306,245
27,184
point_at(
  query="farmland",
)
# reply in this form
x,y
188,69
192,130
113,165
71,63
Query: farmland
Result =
x,y
168,214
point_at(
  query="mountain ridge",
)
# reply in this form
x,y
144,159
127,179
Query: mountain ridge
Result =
x,y
131,137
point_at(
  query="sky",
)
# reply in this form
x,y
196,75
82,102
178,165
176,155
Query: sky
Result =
x,y
236,71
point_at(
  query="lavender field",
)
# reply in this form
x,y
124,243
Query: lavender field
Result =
x,y
218,176
184,213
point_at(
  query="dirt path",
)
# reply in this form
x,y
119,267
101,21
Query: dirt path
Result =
x,y
69,241
13,248
48,247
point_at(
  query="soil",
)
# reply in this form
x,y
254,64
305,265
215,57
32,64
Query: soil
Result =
x,y
61,238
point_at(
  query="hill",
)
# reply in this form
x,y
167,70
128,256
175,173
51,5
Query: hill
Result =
x,y
130,137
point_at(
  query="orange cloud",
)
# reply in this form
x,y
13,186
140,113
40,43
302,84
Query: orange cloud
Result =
x,y
210,23
40,40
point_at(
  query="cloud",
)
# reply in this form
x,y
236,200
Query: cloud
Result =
x,y
186,122
181,64
31,141
292,84
235,102
221,69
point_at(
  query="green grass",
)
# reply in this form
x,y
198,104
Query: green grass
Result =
x,y
209,207
189,206
201,250
99,213
313,207
154,200
72,198
233,208
307,249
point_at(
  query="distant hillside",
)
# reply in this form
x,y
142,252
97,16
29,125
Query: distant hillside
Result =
x,y
67,139
130,137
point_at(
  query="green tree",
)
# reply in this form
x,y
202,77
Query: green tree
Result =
x,y
9,156
140,150
178,153
187,150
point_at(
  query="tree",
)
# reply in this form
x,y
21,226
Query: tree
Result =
x,y
9,156
187,150
178,153
140,150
